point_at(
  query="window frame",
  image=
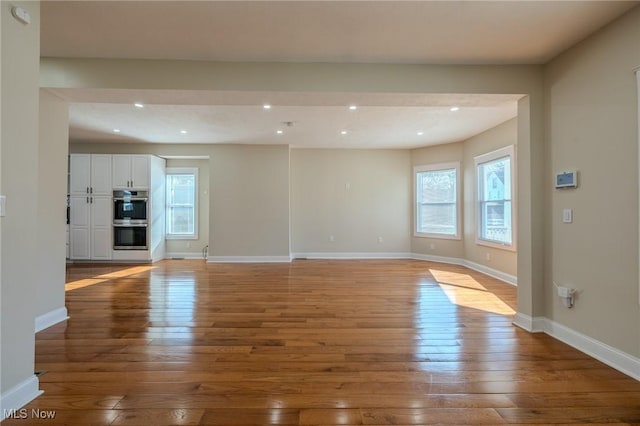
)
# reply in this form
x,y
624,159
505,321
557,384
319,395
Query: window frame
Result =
x,y
172,171
455,165
505,152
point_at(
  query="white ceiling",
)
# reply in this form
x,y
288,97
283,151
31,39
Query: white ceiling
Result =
x,y
434,32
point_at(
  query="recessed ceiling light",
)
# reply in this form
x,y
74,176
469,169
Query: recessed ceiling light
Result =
x,y
266,106
138,105
454,109
353,107
184,132
279,132
344,132
116,130
420,133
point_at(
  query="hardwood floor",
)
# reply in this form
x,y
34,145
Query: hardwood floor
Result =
x,y
310,343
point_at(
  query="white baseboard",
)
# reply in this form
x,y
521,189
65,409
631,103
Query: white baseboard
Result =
x,y
248,259
185,255
621,361
19,396
614,358
51,318
523,321
351,255
530,324
438,259
502,276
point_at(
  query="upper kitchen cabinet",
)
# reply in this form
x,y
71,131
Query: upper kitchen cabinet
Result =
x,y
131,171
90,174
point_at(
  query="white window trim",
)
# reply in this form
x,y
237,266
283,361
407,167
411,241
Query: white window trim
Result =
x,y
435,167
485,158
185,171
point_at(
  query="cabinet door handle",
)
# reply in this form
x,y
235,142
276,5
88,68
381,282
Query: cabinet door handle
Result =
x,y
91,200
87,189
87,200
91,190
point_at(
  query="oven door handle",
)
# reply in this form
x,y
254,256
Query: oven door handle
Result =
x,y
130,199
127,225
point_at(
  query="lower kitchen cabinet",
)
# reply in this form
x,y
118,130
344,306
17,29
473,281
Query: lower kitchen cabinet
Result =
x,y
90,228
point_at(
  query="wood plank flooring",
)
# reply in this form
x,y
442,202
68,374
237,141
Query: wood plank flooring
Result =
x,y
310,343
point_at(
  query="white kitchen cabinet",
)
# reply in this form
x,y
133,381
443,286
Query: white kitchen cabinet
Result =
x,y
101,174
131,171
90,174
80,227
101,227
90,227
80,174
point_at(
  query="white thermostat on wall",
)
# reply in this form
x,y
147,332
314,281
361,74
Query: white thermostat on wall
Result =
x,y
568,179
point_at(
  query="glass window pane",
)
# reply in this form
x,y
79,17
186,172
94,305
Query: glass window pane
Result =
x,y
438,219
436,199
494,196
181,220
181,200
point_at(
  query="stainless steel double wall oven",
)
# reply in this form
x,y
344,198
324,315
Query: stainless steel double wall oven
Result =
x,y
130,220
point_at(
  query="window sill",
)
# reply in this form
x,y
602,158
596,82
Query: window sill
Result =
x,y
437,236
180,237
498,246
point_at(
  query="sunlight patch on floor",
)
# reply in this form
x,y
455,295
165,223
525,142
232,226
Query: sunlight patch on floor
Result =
x,y
126,272
464,290
74,285
86,282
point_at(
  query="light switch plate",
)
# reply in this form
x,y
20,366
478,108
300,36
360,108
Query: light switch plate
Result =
x,y
567,216
3,201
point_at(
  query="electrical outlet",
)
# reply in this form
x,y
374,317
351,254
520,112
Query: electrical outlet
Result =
x,y
332,238
380,239
488,256
432,246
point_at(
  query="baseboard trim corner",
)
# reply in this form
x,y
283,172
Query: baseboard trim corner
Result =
x,y
529,323
19,396
50,318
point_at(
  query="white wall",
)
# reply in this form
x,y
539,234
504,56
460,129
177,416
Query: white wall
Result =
x,y
52,191
591,125
249,202
356,196
20,51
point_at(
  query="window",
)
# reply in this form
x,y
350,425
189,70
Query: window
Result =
x,y
495,207
437,196
182,190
